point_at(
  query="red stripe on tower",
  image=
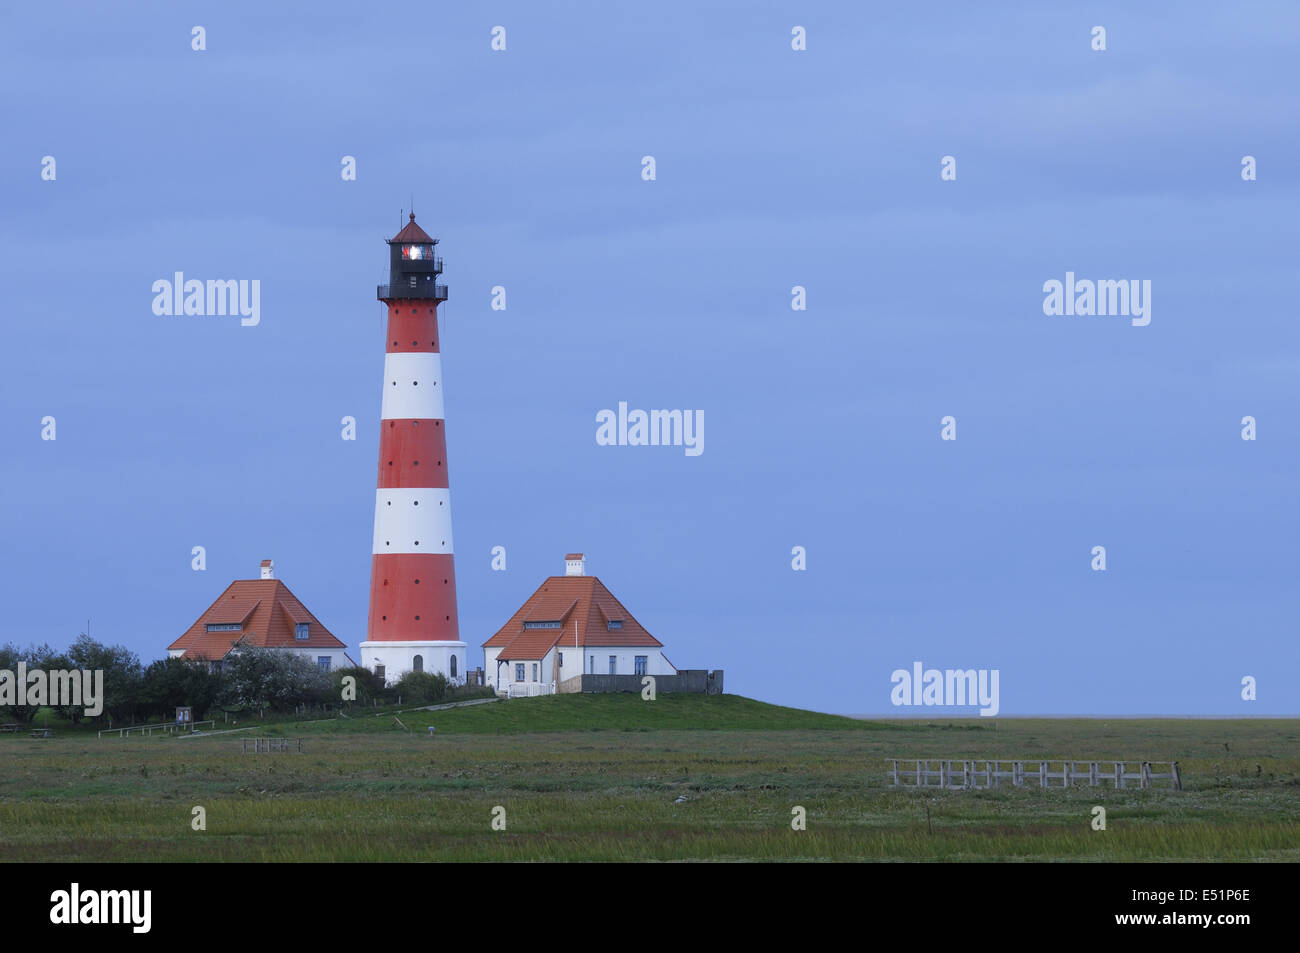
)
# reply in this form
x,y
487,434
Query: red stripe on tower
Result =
x,y
412,624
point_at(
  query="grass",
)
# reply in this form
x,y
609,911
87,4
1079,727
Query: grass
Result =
x,y
598,777
594,713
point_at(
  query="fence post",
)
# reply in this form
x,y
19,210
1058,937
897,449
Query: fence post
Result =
x,y
1146,774
1178,781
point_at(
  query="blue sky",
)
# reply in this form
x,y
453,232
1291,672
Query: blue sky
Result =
x,y
775,168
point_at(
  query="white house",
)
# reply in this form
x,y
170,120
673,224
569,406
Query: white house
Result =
x,y
571,626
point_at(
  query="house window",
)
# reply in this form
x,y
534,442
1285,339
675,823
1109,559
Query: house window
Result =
x,y
534,671
301,631
417,664
324,662
561,657
614,624
379,672
591,659
222,627
214,668
519,671
453,666
640,664
613,665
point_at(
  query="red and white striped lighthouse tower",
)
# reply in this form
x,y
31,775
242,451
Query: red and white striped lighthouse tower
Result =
x,y
412,624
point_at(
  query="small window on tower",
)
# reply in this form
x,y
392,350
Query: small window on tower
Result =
x,y
412,281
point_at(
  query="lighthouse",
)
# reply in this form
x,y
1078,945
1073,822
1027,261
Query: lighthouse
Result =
x,y
412,624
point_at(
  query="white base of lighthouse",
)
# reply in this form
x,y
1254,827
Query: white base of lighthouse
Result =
x,y
398,658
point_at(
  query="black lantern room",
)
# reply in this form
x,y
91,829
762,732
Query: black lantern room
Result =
x,y
413,266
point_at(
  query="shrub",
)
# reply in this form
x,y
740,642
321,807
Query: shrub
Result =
x,y
421,688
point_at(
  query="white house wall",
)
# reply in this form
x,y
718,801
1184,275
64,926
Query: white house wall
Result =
x,y
655,662
545,670
552,670
338,657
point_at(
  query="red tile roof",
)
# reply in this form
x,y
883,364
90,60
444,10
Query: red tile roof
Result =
x,y
413,234
266,610
568,599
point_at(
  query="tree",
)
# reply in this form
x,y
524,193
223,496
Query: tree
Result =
x,y
34,657
170,683
123,677
254,677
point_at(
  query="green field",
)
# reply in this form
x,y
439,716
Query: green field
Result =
x,y
597,777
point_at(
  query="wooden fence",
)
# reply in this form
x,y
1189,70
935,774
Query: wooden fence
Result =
x,y
260,745
951,773
170,727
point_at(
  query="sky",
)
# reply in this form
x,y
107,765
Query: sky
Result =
x,y
773,168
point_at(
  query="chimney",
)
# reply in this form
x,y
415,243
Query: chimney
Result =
x,y
268,569
575,564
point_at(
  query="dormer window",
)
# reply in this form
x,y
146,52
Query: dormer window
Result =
x,y
613,624
541,625
223,627
302,631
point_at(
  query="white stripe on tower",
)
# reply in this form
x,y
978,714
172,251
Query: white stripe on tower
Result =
x,y
412,386
412,521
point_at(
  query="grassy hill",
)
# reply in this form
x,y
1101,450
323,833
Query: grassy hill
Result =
x,y
602,712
